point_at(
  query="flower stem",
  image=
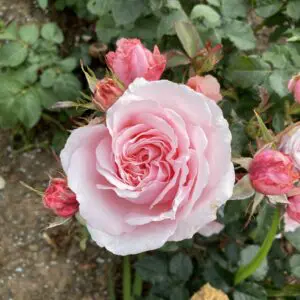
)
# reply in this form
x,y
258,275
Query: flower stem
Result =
x,y
126,278
138,282
247,270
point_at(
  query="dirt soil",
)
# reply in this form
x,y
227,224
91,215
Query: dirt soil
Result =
x,y
35,264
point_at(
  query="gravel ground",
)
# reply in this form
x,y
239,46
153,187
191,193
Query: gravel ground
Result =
x,y
34,263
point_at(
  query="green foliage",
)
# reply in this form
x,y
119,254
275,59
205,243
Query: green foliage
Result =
x,y
264,221
29,33
268,8
293,10
51,32
181,267
294,238
206,15
247,254
153,269
240,34
13,54
250,291
189,38
43,3
295,265
34,75
247,71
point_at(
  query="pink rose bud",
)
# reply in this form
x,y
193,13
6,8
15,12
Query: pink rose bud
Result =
x,y
207,58
293,208
60,198
207,85
132,60
106,93
294,87
272,172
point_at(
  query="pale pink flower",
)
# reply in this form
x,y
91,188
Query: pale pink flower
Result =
x,y
106,93
156,172
60,198
207,85
292,213
294,87
132,60
272,172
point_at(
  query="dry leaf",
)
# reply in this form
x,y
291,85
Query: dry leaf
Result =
x,y
243,189
243,161
207,292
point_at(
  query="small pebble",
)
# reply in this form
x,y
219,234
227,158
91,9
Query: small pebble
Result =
x,y
100,260
2,183
19,270
33,247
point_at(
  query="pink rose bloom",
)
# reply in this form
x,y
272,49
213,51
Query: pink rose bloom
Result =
x,y
106,93
132,60
156,172
60,198
294,87
290,144
272,172
207,85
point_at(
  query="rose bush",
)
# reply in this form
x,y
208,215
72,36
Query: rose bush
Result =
x,y
156,172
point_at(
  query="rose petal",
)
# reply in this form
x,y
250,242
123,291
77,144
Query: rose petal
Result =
x,y
144,238
211,228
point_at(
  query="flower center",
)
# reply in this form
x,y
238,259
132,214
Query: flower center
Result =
x,y
144,160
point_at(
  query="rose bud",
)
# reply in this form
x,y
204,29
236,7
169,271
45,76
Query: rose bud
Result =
x,y
132,60
207,85
207,58
294,87
60,198
106,93
272,172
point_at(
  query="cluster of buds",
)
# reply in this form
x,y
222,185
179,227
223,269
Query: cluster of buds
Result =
x,y
130,61
274,171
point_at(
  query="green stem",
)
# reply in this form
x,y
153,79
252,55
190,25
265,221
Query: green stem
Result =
x,y
247,270
138,282
126,278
